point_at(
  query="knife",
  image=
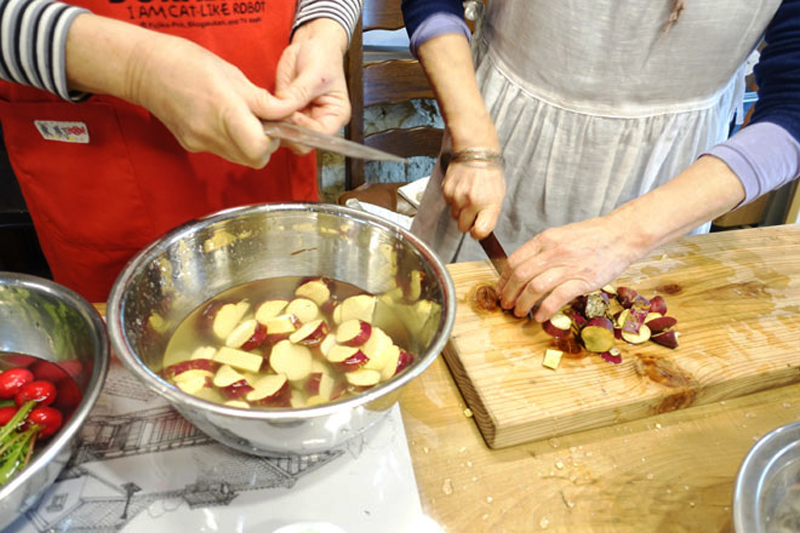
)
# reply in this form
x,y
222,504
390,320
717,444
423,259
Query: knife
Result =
x,y
314,139
499,259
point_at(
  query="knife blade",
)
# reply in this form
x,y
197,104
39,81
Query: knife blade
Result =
x,y
497,255
331,143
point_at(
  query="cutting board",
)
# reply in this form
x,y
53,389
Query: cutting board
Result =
x,y
735,294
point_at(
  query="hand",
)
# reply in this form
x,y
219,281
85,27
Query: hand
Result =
x,y
207,103
560,264
475,193
310,77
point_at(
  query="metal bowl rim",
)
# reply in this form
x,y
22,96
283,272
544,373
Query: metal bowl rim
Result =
x,y
176,396
93,388
752,460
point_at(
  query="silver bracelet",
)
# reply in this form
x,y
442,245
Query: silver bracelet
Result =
x,y
484,156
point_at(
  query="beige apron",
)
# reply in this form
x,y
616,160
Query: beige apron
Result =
x,y
595,105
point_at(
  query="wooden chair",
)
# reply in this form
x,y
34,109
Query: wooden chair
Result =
x,y
377,77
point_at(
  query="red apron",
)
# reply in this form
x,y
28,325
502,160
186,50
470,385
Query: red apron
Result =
x,y
96,204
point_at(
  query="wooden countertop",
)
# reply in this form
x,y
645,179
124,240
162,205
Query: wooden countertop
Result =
x,y
670,472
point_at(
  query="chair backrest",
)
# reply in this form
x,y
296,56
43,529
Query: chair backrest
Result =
x,y
374,79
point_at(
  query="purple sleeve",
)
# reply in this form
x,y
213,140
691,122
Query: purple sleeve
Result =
x,y
435,25
764,156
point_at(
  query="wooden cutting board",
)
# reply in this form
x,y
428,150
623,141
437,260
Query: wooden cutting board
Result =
x,y
736,296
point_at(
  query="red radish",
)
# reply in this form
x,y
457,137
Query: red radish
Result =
x,y
317,290
353,332
7,413
192,364
47,371
40,391
11,381
311,333
68,396
657,325
667,338
48,418
598,335
658,305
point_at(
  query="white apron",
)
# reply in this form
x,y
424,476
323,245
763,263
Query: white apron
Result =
x,y
595,105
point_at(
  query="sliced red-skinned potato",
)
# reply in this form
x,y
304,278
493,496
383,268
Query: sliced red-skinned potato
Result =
x,y
353,332
637,338
329,307
609,289
270,309
613,356
173,371
657,325
210,394
598,334
258,338
194,384
626,296
346,358
552,358
293,360
658,305
227,375
269,388
377,349
204,352
241,333
228,317
239,359
596,305
316,400
559,325
668,338
304,309
412,291
236,389
363,377
297,399
311,385
392,361
317,290
281,327
360,306
652,316
404,361
192,374
310,333
327,343
239,404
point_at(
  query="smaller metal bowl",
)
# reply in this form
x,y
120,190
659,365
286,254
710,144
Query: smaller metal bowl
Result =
x,y
46,320
767,494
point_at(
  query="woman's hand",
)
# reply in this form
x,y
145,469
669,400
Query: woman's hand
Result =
x,y
560,264
310,77
475,192
207,103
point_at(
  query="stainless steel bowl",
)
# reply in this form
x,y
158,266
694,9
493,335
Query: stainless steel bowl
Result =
x,y
46,320
767,494
203,258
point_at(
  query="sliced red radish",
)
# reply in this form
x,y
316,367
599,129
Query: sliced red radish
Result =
x,y
304,309
293,360
228,317
272,388
317,290
238,359
311,333
354,332
363,377
270,309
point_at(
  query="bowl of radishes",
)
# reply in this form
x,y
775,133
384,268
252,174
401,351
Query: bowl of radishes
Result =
x,y
282,329
53,361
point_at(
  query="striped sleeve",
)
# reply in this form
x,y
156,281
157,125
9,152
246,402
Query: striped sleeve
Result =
x,y
345,12
33,42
